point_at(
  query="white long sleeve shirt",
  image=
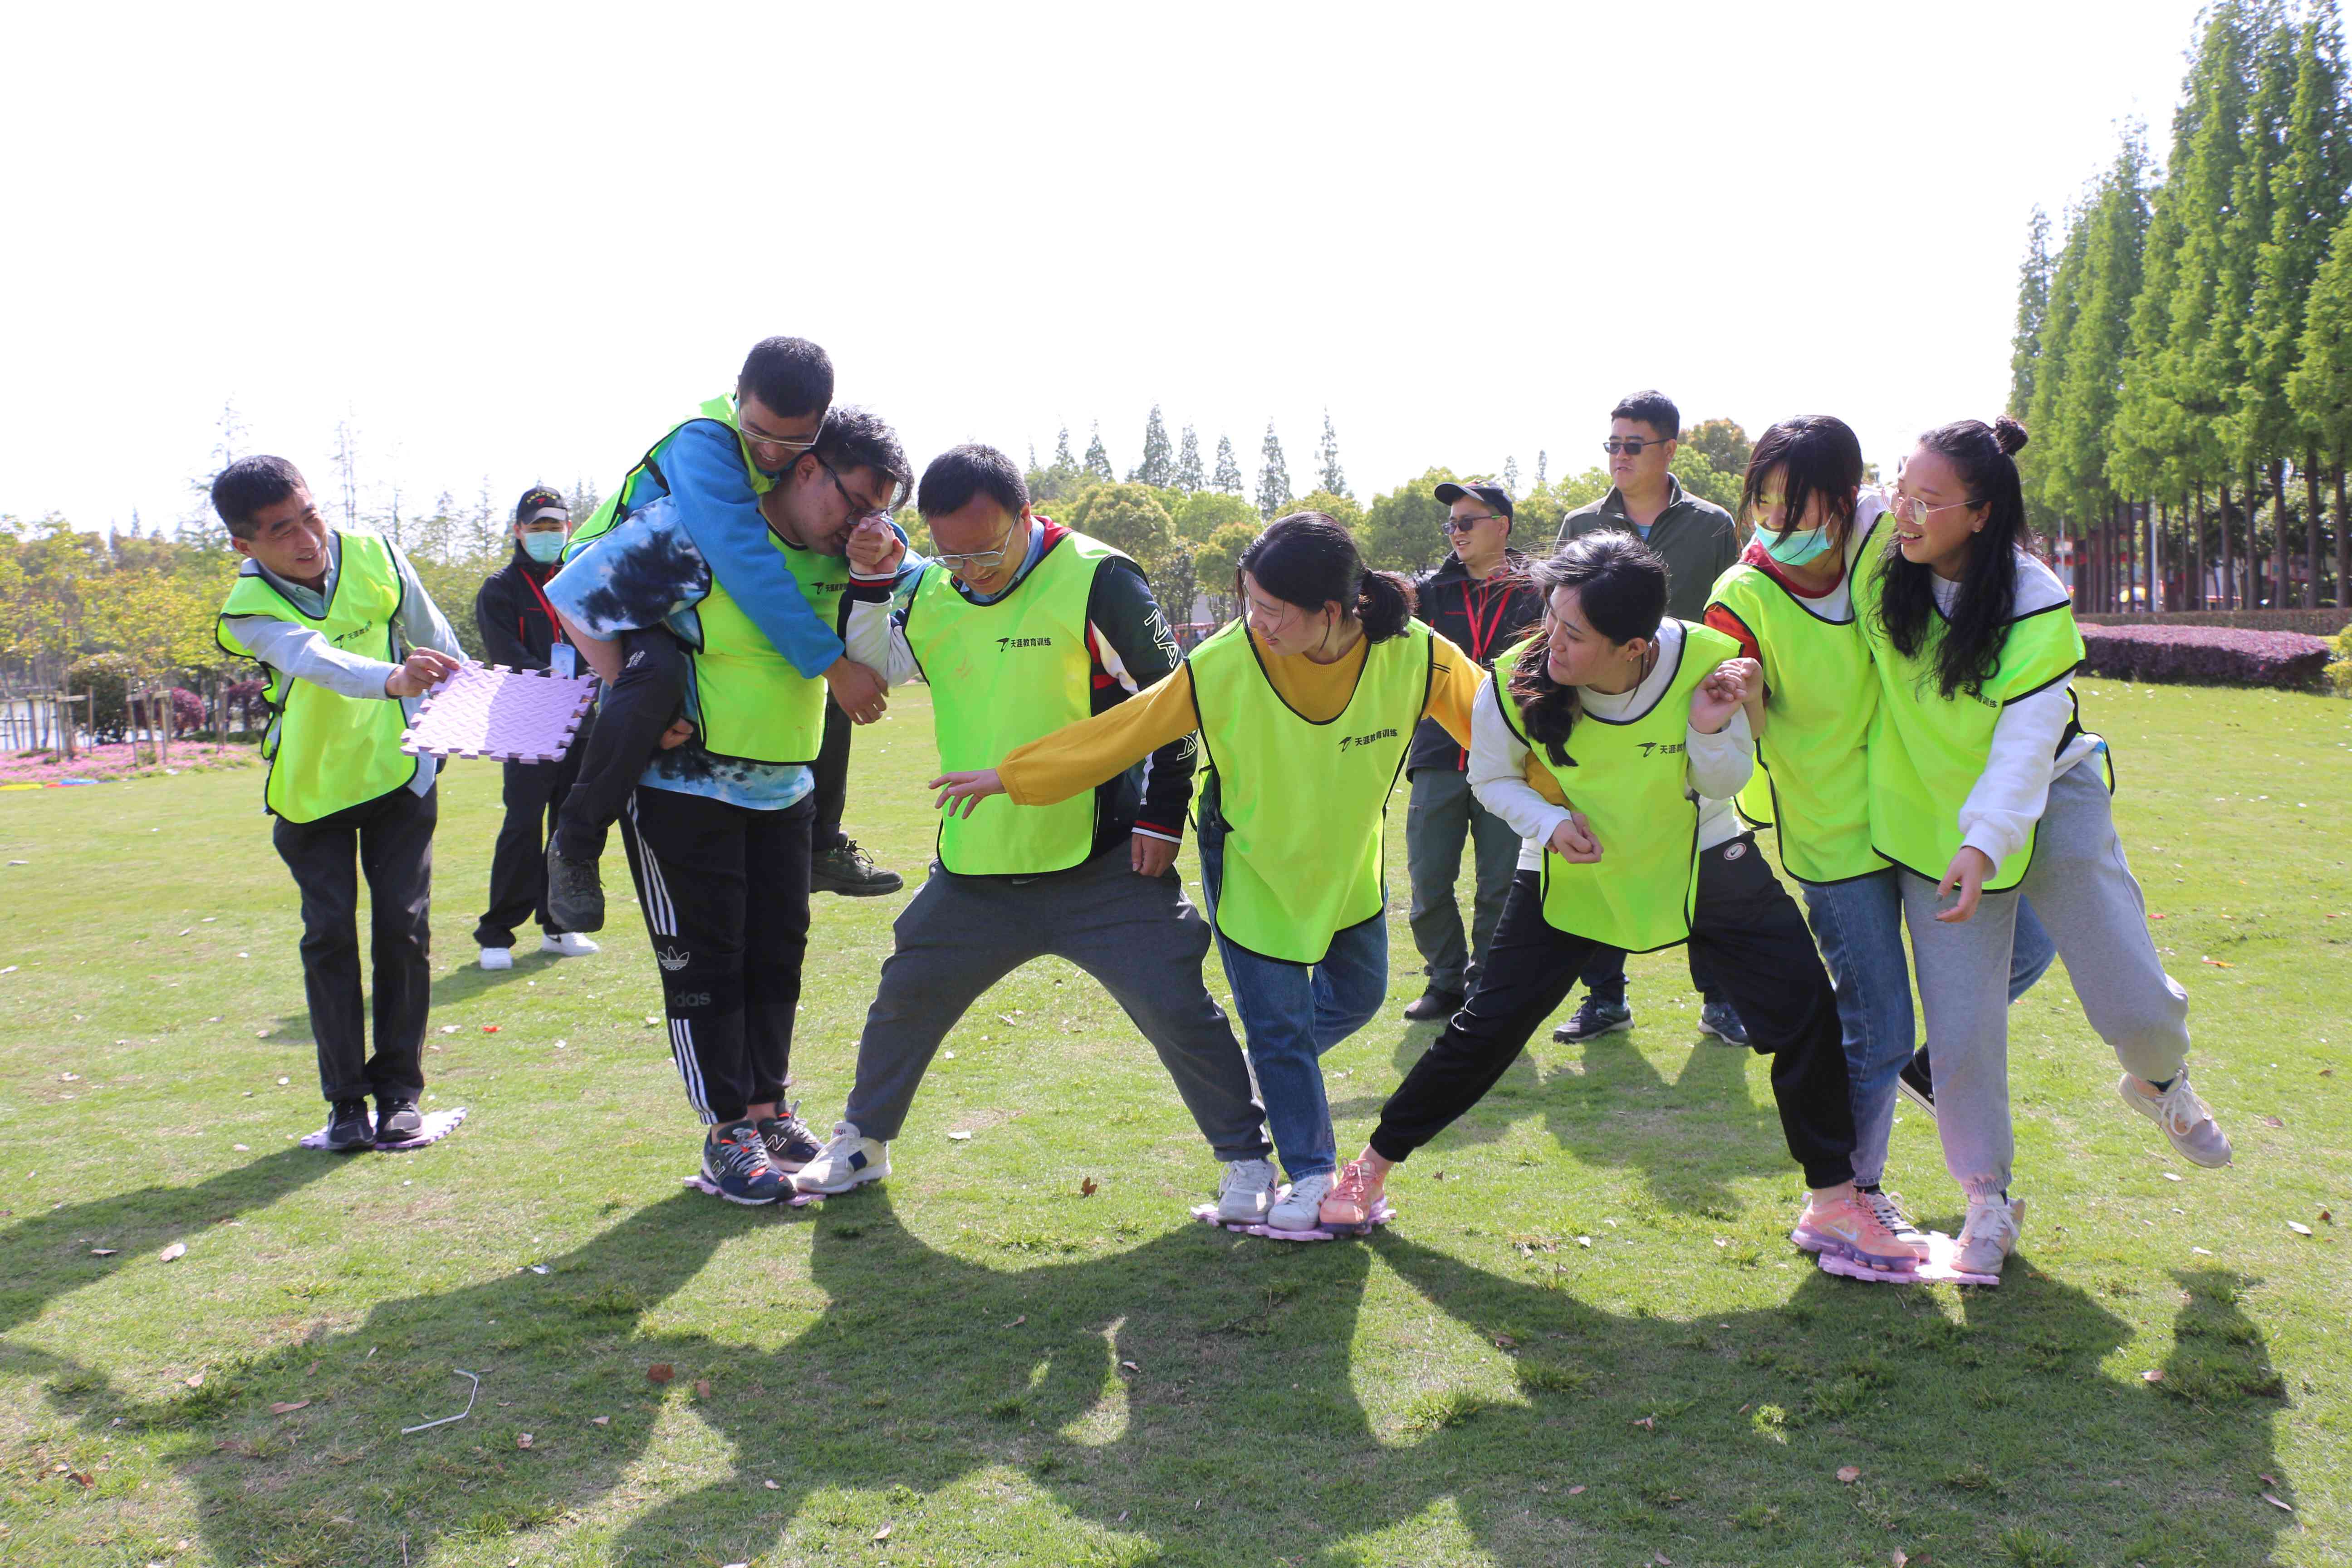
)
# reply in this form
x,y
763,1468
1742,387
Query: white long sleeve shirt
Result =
x,y
303,654
2008,797
1716,765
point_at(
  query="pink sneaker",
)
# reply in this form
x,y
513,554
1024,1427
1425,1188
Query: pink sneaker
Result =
x,y
1848,1229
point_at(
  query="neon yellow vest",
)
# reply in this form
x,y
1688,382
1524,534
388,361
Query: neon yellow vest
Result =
x,y
1926,752
616,508
1812,782
1630,778
1002,676
748,698
326,751
1303,803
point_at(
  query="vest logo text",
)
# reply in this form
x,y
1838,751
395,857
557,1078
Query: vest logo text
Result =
x,y
1376,735
1024,642
1661,749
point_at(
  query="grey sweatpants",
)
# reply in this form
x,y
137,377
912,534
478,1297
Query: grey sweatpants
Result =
x,y
1140,936
2083,889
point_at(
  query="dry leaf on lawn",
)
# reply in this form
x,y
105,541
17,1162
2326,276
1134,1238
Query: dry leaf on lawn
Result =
x,y
1087,1187
702,1388
660,1372
195,1382
2153,1374
772,1486
2297,1227
287,1406
1849,1474
104,1251
600,1421
2272,1121
522,1439
1649,1421
883,1533
1573,1491
2272,1498
177,1249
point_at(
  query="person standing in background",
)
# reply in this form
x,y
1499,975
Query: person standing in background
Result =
x,y
1698,541
1479,599
519,630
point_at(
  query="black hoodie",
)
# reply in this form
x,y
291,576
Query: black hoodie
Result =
x,y
1481,619
518,628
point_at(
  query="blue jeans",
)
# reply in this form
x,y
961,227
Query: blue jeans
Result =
x,y
1859,925
1293,1013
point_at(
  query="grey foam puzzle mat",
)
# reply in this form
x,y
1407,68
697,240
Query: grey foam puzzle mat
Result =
x,y
492,712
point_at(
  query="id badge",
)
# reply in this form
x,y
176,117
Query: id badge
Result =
x,y
563,660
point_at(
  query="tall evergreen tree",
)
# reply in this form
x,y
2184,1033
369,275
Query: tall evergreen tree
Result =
x,y
1273,477
1328,476
1511,476
1543,461
2032,304
1097,464
2046,498
1062,456
2321,384
1228,480
1188,477
2113,230
1158,467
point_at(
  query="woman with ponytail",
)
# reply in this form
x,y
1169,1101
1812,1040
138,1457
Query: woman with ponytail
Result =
x,y
1306,707
1612,741
1788,605
1986,791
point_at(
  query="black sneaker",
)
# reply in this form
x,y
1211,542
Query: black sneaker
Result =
x,y
1593,1020
1917,1082
850,872
575,897
1434,1005
736,1166
788,1141
1721,1019
349,1128
397,1121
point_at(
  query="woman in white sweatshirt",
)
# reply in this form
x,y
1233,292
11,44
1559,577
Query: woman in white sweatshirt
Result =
x,y
1985,789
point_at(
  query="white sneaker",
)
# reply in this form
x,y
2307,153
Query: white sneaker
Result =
x,y
1990,1236
2187,1119
498,958
570,944
1301,1207
851,1160
1245,1191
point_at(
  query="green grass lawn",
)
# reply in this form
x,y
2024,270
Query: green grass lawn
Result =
x,y
1585,1339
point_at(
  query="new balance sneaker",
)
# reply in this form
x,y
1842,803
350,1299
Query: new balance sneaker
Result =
x,y
1916,1083
851,1160
2185,1118
1593,1020
498,958
1301,1208
1245,1191
1432,1005
348,1127
575,894
566,944
1721,1019
790,1144
1890,1215
735,1162
1850,1227
850,872
1347,1208
397,1121
1990,1236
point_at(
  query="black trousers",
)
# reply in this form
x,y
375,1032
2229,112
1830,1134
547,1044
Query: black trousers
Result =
x,y
832,772
631,714
1753,938
390,838
726,898
534,794
1604,974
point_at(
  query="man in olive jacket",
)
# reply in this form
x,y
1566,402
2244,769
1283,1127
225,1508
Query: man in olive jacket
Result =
x,y
1699,541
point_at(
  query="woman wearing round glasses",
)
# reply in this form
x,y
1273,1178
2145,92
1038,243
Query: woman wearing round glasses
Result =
x,y
1986,791
1307,705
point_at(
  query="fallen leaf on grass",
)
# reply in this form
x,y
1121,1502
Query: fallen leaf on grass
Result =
x,y
660,1372
600,1421
2171,1176
1849,1474
1087,1187
195,1382
1131,1366
1018,1321
2272,1498
1651,1422
1575,1491
2272,1121
702,1388
448,1028
2267,1481
287,1406
1583,1241
2297,1227
490,1028
2326,1217
104,1251
308,1370
177,1249
284,1081
522,1439
961,1137
81,1478
772,1486
69,1077
883,1533
2202,1251
2153,1374
1504,1343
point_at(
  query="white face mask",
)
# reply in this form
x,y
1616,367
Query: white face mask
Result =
x,y
544,548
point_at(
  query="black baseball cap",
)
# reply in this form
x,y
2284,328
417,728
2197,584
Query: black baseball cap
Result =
x,y
540,502
1494,495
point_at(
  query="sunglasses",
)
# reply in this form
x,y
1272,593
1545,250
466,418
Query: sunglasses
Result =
x,y
1632,446
1464,524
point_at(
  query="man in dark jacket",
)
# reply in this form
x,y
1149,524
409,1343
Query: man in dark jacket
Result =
x,y
1479,598
1698,540
518,630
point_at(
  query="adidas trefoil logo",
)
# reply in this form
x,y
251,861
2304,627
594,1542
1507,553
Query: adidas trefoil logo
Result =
x,y
672,960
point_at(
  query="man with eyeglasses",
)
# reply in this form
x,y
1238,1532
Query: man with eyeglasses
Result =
x,y
1022,626
1480,599
718,826
1699,541
711,470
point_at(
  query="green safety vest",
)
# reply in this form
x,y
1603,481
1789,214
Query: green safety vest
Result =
x,y
749,702
1927,753
1629,780
1003,675
326,751
1302,802
1812,782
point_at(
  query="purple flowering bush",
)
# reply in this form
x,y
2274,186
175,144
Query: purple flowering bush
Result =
x,y
2209,656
